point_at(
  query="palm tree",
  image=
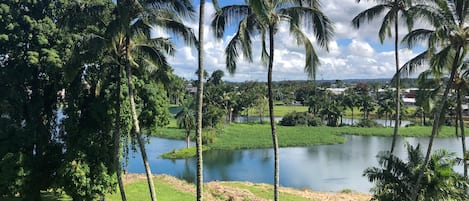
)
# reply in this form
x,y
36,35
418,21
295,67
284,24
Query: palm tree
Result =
x,y
426,95
200,102
394,179
351,100
393,8
262,17
447,45
132,45
128,43
461,86
186,118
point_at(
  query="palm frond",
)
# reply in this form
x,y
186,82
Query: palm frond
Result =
x,y
231,53
369,14
312,19
312,59
385,28
226,17
264,54
412,66
439,62
262,9
182,8
173,25
415,36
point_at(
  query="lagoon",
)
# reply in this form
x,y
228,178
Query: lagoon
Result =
x,y
320,168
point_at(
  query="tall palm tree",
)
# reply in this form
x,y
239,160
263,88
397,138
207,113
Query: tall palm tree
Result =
x,y
263,17
394,8
461,87
128,43
447,46
128,38
117,135
200,102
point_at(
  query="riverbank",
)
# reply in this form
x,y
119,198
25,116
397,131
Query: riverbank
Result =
x,y
171,188
253,136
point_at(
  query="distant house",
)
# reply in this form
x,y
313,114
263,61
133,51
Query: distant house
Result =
x,y
336,91
409,101
410,92
191,89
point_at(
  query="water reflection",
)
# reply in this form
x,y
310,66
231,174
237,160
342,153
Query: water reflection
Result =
x,y
323,168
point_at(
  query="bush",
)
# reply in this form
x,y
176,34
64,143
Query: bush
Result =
x,y
209,135
300,118
369,123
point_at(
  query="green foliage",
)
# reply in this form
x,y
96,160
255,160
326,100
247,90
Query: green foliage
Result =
x,y
209,135
11,169
153,105
182,153
369,123
85,182
395,178
32,52
300,119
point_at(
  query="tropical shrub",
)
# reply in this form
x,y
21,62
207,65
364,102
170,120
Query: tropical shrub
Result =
x,y
209,135
395,178
369,123
300,119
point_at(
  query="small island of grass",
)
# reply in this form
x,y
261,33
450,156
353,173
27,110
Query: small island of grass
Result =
x,y
255,136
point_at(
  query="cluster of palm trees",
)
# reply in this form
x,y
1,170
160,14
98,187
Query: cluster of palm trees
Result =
x,y
128,42
446,40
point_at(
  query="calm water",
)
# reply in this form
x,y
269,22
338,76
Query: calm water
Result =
x,y
322,168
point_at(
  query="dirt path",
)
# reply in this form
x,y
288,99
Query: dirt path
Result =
x,y
225,191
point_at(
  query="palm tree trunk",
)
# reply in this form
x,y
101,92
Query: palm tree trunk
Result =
x,y
398,83
436,124
188,136
136,124
352,116
200,89
117,137
463,135
271,113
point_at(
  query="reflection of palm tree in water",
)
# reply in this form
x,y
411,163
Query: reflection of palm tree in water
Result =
x,y
188,174
219,162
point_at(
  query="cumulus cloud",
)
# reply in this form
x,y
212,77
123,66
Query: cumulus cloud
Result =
x,y
353,54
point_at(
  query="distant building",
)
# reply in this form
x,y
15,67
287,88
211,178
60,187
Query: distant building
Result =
x,y
336,91
409,101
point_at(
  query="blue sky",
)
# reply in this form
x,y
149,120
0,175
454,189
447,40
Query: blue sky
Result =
x,y
353,54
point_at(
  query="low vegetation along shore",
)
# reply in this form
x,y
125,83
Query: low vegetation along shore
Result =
x,y
251,136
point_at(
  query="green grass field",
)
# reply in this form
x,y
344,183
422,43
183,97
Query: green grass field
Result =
x,y
138,191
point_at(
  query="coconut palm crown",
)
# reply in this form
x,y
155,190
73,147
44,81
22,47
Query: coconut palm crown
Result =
x,y
263,17
255,17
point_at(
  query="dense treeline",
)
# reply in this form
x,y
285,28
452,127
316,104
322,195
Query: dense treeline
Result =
x,y
65,100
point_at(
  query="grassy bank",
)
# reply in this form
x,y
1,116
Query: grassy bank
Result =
x,y
251,136
171,189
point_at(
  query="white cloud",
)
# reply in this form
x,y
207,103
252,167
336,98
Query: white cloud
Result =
x,y
352,53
